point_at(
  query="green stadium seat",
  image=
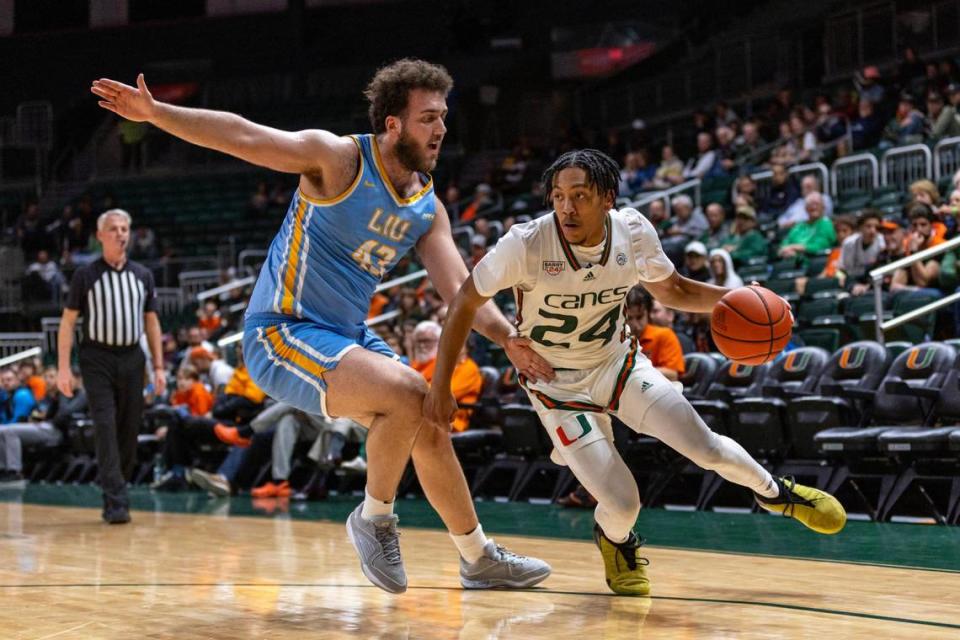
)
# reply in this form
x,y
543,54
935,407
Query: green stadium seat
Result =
x,y
824,337
813,309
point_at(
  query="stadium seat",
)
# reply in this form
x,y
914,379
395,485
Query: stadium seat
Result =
x,y
730,381
813,309
699,371
823,285
524,441
827,338
907,396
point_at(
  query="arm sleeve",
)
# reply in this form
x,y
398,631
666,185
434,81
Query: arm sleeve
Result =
x,y
653,265
78,287
503,267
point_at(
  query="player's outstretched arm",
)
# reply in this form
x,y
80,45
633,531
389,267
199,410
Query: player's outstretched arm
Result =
x,y
684,294
439,404
304,152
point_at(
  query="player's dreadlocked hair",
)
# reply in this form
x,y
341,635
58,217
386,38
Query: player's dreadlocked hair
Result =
x,y
602,171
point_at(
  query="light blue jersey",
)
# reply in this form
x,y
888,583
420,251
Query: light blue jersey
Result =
x,y
309,305
326,261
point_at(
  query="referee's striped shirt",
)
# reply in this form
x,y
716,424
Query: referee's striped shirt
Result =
x,y
112,302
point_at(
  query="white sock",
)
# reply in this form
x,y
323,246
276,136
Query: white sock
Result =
x,y
373,507
471,544
770,489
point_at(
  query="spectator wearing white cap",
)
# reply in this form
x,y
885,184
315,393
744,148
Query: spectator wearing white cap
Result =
x,y
686,221
695,262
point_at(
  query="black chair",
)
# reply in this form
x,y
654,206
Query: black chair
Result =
x,y
731,381
524,441
699,372
907,396
477,446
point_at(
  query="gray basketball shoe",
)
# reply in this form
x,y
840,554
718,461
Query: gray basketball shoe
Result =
x,y
378,545
501,568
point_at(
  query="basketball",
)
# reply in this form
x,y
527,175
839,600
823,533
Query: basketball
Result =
x,y
751,325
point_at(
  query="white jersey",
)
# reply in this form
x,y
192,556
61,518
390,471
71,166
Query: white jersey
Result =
x,y
570,298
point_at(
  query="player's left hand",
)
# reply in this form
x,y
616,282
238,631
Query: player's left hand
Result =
x,y
526,361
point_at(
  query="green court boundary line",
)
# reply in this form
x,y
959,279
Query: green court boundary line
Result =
x,y
541,591
748,554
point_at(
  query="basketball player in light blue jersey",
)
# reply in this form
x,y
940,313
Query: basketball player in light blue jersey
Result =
x,y
362,203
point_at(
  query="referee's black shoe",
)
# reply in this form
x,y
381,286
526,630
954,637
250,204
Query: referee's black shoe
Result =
x,y
115,513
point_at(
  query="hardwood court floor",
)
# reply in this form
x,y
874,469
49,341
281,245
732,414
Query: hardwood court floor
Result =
x,y
64,575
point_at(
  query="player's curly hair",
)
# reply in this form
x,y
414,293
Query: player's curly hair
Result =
x,y
390,88
602,171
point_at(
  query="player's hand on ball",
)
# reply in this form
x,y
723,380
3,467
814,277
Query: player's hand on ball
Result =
x,y
439,407
133,103
526,361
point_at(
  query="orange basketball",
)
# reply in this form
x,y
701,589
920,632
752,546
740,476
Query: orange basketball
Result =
x,y
751,325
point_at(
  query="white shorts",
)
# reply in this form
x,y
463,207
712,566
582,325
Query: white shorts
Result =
x,y
574,407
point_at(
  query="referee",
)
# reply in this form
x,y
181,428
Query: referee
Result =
x,y
118,302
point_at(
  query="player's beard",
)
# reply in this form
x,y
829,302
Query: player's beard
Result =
x,y
412,156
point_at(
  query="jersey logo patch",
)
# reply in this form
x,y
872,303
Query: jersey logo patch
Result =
x,y
589,277
554,267
621,258
644,386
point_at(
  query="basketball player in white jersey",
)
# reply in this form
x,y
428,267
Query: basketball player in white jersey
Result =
x,y
570,272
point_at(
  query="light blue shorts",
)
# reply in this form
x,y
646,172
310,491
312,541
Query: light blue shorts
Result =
x,y
288,359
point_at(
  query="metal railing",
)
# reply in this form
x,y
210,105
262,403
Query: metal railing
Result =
x,y
902,165
690,188
51,328
764,179
14,343
22,355
877,276
859,172
193,282
251,256
225,288
946,158
169,301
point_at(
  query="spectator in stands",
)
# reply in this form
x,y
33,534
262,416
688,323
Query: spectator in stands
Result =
x,y
289,426
194,339
723,115
859,253
206,362
191,395
805,142
143,245
467,381
906,127
867,128
670,171
665,317
16,398
722,272
726,150
46,426
484,202
831,125
703,164
695,262
911,68
209,318
686,221
745,187
942,121
813,236
659,344
950,214
718,232
843,226
926,192
745,241
797,211
925,274
27,372
783,191
868,85
478,249
657,213
48,274
635,173
750,147
31,232
953,96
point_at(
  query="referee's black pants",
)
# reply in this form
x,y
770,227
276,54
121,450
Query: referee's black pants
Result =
x,y
113,378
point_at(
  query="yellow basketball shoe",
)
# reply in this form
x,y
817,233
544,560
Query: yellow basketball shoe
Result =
x,y
816,509
625,568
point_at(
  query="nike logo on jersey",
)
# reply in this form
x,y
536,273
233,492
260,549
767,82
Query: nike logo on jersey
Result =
x,y
589,277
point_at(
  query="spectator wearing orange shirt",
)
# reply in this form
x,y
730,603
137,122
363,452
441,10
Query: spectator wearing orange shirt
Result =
x,y
467,381
659,344
191,393
29,378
